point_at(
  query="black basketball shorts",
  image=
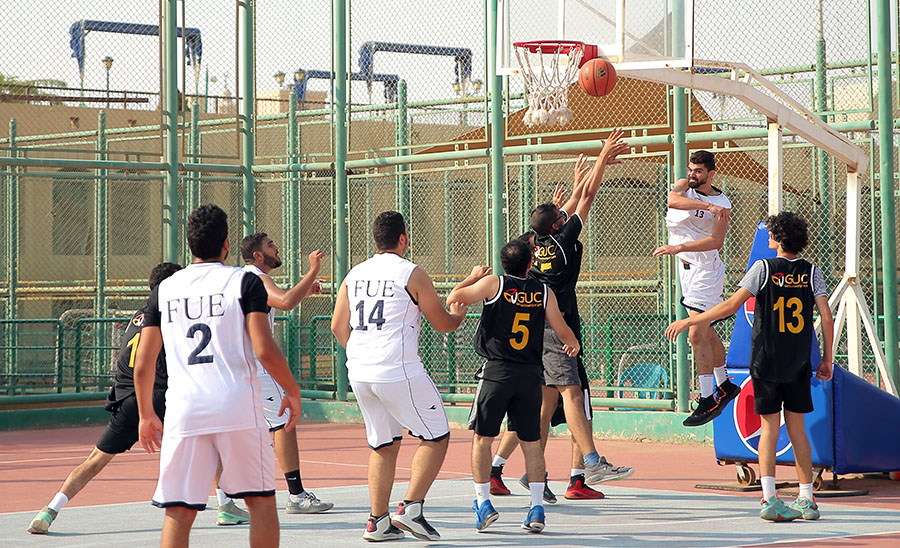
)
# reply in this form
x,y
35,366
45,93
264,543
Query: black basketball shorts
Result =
x,y
517,398
770,397
122,431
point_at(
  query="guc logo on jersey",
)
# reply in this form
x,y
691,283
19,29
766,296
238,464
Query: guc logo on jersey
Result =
x,y
523,298
748,424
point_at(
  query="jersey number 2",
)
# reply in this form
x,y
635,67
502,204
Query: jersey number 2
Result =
x,y
205,337
517,327
375,317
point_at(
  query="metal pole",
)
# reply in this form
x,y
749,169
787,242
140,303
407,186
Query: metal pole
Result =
x,y
248,101
100,221
170,129
192,200
886,170
402,140
448,225
496,139
679,169
339,121
12,251
206,92
823,224
291,190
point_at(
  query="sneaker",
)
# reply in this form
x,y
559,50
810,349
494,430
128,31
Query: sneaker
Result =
x,y
579,491
807,508
381,528
485,515
726,392
774,509
707,409
230,514
605,471
409,518
534,521
307,503
41,522
497,487
548,495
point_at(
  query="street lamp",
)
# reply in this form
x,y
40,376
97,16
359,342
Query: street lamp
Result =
x,y
300,86
107,62
279,79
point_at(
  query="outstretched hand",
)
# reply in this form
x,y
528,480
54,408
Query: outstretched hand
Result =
x,y
612,148
479,271
559,194
315,260
721,213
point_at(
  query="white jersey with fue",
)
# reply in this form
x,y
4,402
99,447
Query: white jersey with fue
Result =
x,y
260,370
695,224
385,321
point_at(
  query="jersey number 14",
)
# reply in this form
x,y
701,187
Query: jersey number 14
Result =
x,y
376,316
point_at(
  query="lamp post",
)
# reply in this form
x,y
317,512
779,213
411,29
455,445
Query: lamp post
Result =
x,y
279,79
107,62
463,87
300,86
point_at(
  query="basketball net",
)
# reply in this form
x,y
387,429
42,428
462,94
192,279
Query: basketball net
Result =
x,y
549,68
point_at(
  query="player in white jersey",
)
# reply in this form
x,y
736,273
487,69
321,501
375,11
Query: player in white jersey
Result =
x,y
212,320
262,256
697,220
377,319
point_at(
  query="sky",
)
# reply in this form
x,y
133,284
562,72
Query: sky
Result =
x,y
34,40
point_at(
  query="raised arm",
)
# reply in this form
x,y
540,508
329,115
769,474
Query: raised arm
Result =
x,y
484,288
340,318
721,310
563,331
713,241
578,181
677,199
309,285
422,290
608,155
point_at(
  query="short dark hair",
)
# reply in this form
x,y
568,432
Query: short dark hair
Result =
x,y
387,229
515,256
704,158
790,230
251,244
207,230
162,271
526,237
542,218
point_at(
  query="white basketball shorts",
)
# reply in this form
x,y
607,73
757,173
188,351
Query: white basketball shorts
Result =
x,y
388,408
187,467
701,288
272,396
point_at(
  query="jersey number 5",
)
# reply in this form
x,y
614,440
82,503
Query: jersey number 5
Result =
x,y
517,327
796,305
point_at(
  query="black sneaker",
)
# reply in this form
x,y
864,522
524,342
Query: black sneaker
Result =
x,y
548,496
707,410
726,392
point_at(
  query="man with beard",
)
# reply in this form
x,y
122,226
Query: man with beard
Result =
x,y
697,221
261,255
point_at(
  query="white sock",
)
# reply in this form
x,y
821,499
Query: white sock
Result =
x,y
768,486
806,491
59,500
537,493
577,472
721,374
707,385
482,492
299,496
223,498
498,461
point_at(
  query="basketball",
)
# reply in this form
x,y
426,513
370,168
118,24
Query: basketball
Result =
x,y
597,77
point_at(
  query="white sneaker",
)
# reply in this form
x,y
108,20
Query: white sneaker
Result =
x,y
307,503
232,514
381,528
605,471
409,518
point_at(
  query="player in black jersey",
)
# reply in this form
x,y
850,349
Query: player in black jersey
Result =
x,y
510,339
786,288
122,431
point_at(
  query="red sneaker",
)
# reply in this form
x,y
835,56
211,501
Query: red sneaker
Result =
x,y
578,490
497,487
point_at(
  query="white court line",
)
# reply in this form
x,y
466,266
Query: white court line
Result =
x,y
814,539
78,458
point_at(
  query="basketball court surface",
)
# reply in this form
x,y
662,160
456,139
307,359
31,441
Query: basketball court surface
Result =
x,y
658,506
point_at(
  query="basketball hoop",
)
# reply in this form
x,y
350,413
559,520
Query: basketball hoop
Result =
x,y
549,68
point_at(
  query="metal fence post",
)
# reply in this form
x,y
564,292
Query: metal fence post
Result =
x,y
170,130
101,217
886,170
339,123
679,169
498,170
248,106
402,140
12,251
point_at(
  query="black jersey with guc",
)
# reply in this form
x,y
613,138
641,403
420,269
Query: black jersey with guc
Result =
x,y
510,334
557,263
124,384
